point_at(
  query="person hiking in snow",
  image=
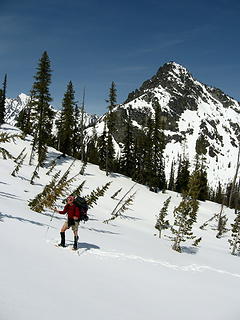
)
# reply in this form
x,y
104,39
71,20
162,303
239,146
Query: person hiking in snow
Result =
x,y
73,214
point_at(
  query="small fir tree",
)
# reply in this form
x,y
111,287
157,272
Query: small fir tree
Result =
x,y
66,129
51,166
222,229
186,213
182,179
37,204
7,137
35,174
171,184
3,100
116,193
95,194
19,165
19,157
83,168
102,149
235,239
79,189
161,223
124,207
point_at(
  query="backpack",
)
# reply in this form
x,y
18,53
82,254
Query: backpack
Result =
x,y
81,203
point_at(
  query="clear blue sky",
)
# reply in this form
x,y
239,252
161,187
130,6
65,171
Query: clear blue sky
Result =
x,y
95,42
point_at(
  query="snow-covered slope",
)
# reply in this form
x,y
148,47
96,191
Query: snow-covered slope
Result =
x,y
121,270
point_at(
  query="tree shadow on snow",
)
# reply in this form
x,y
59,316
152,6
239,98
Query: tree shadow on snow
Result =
x,y
189,250
9,195
101,231
130,217
8,216
4,183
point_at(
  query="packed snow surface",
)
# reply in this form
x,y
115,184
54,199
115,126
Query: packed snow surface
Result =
x,y
122,270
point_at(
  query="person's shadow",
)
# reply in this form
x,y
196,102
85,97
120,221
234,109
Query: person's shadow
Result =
x,y
86,246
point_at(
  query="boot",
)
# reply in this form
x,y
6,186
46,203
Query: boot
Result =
x,y
62,244
75,243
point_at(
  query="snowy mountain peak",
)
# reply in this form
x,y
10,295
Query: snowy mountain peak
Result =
x,y
196,115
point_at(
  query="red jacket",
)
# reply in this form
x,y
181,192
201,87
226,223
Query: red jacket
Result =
x,y
72,211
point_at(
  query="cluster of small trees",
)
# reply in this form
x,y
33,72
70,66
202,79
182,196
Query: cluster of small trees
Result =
x,y
185,215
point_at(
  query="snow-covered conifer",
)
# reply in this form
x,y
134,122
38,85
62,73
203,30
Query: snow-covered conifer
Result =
x,y
235,240
125,206
20,156
7,137
51,166
95,194
83,169
161,223
222,226
35,174
78,190
116,193
37,204
19,165
186,213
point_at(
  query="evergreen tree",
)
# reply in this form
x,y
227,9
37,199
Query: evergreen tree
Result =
x,y
222,226
116,193
95,194
127,155
3,100
66,130
234,185
102,148
19,157
171,184
52,165
123,208
76,136
79,189
35,174
92,150
159,180
6,137
182,176
161,223
37,204
139,156
42,112
186,213
219,193
149,173
110,121
235,240
82,146
19,165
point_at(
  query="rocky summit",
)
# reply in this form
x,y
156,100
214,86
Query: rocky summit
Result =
x,y
197,117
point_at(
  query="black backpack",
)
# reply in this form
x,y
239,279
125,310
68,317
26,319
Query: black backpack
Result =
x,y
81,203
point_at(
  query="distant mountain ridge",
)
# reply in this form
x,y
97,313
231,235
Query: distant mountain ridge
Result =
x,y
14,106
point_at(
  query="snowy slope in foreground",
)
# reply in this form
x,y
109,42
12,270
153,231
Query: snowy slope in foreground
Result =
x,y
121,271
